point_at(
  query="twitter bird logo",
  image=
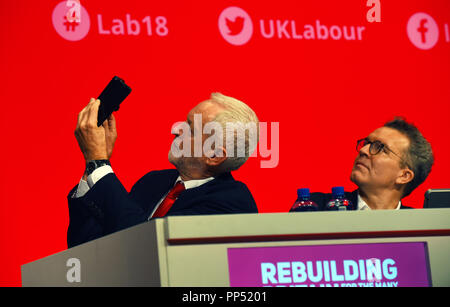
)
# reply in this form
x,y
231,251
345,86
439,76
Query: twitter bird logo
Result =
x,y
235,26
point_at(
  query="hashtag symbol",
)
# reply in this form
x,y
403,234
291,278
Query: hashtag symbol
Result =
x,y
70,25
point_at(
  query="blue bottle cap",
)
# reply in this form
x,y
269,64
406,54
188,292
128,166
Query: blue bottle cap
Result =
x,y
338,191
303,193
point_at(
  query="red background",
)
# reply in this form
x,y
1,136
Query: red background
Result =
x,y
324,93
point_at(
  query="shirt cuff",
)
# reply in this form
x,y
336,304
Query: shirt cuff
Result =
x,y
82,189
84,186
98,174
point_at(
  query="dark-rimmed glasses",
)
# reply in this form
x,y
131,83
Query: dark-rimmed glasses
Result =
x,y
375,148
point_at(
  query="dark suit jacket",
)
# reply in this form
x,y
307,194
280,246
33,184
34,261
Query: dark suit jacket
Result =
x,y
107,207
322,199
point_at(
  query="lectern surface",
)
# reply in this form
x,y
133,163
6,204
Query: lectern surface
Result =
x,y
358,248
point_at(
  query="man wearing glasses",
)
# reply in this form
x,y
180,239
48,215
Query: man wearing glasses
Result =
x,y
391,162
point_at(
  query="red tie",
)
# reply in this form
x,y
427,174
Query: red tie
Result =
x,y
171,197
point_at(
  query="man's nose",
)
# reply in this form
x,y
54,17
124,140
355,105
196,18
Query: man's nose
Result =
x,y
365,150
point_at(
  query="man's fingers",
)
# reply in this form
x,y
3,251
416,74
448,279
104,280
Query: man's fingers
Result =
x,y
82,114
111,122
92,115
87,118
81,118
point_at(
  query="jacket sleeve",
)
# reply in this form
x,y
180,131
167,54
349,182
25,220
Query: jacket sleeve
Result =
x,y
84,223
105,209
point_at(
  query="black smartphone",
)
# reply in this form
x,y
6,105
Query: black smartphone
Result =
x,y
110,99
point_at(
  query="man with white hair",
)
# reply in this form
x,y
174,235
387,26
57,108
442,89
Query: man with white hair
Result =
x,y
201,183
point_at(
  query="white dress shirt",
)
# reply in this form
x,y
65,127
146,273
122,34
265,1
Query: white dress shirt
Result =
x,y
362,205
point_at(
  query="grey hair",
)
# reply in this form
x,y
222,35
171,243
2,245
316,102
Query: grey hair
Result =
x,y
239,121
419,154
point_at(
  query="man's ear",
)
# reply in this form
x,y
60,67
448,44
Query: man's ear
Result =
x,y
405,176
216,157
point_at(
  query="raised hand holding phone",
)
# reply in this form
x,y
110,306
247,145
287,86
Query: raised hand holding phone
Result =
x,y
91,138
96,131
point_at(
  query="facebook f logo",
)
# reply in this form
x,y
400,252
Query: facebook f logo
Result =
x,y
423,31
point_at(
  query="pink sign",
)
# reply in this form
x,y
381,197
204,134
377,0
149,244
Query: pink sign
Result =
x,y
71,20
423,31
235,25
344,265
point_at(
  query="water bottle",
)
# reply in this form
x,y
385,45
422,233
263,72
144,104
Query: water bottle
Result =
x,y
338,201
304,202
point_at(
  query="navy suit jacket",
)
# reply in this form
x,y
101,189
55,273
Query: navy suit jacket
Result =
x,y
321,199
107,207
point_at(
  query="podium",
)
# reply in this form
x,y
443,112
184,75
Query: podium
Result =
x,y
213,250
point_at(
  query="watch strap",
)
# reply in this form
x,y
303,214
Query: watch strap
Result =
x,y
92,165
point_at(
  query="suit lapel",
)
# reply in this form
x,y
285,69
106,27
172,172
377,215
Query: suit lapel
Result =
x,y
189,197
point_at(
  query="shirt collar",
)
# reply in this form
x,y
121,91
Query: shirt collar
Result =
x,y
194,183
362,205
